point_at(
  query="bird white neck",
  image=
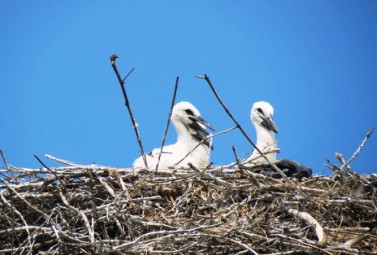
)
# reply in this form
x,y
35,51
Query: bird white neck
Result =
x,y
266,143
265,139
183,135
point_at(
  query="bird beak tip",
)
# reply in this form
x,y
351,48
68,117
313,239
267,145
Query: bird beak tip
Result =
x,y
205,123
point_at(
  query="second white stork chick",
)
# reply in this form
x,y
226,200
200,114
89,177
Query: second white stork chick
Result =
x,y
262,114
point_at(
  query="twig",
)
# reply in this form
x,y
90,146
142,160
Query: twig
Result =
x,y
210,176
310,219
255,180
66,162
83,216
24,200
107,187
25,228
250,163
205,77
168,122
4,160
175,251
225,239
13,211
210,146
353,241
354,155
51,171
127,103
282,253
237,159
164,232
11,201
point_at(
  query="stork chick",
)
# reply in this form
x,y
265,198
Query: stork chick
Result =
x,y
192,145
262,114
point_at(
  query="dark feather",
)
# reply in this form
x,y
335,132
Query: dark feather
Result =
x,y
289,167
198,132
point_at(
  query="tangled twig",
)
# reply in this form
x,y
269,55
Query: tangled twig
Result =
x,y
195,211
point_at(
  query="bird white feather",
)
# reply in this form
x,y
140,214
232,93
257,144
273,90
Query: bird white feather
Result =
x,y
189,148
262,114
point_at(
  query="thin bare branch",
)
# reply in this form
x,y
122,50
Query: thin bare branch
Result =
x,y
207,79
66,162
168,121
361,146
127,103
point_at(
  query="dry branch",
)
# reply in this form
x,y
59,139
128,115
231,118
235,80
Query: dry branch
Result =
x,y
361,146
310,219
127,103
168,121
218,210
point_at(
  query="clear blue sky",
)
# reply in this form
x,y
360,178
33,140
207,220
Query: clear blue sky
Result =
x,y
314,61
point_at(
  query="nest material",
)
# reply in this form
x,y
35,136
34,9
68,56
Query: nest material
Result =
x,y
101,210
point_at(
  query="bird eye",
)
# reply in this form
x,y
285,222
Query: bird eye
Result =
x,y
189,112
260,110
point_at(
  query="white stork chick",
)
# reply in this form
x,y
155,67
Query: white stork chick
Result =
x,y
189,148
262,114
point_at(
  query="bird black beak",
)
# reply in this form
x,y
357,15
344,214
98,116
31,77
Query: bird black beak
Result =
x,y
269,124
204,122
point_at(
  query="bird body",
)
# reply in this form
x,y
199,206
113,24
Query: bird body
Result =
x,y
191,146
262,118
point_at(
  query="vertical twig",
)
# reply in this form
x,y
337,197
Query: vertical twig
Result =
x,y
209,151
4,160
11,200
237,158
168,122
127,103
256,182
205,77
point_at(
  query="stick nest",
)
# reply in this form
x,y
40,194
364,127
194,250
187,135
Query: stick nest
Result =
x,y
102,210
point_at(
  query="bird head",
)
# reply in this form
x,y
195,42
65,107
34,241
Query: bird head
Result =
x,y
187,115
262,114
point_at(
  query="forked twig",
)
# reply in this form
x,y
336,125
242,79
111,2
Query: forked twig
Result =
x,y
354,155
168,122
127,103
